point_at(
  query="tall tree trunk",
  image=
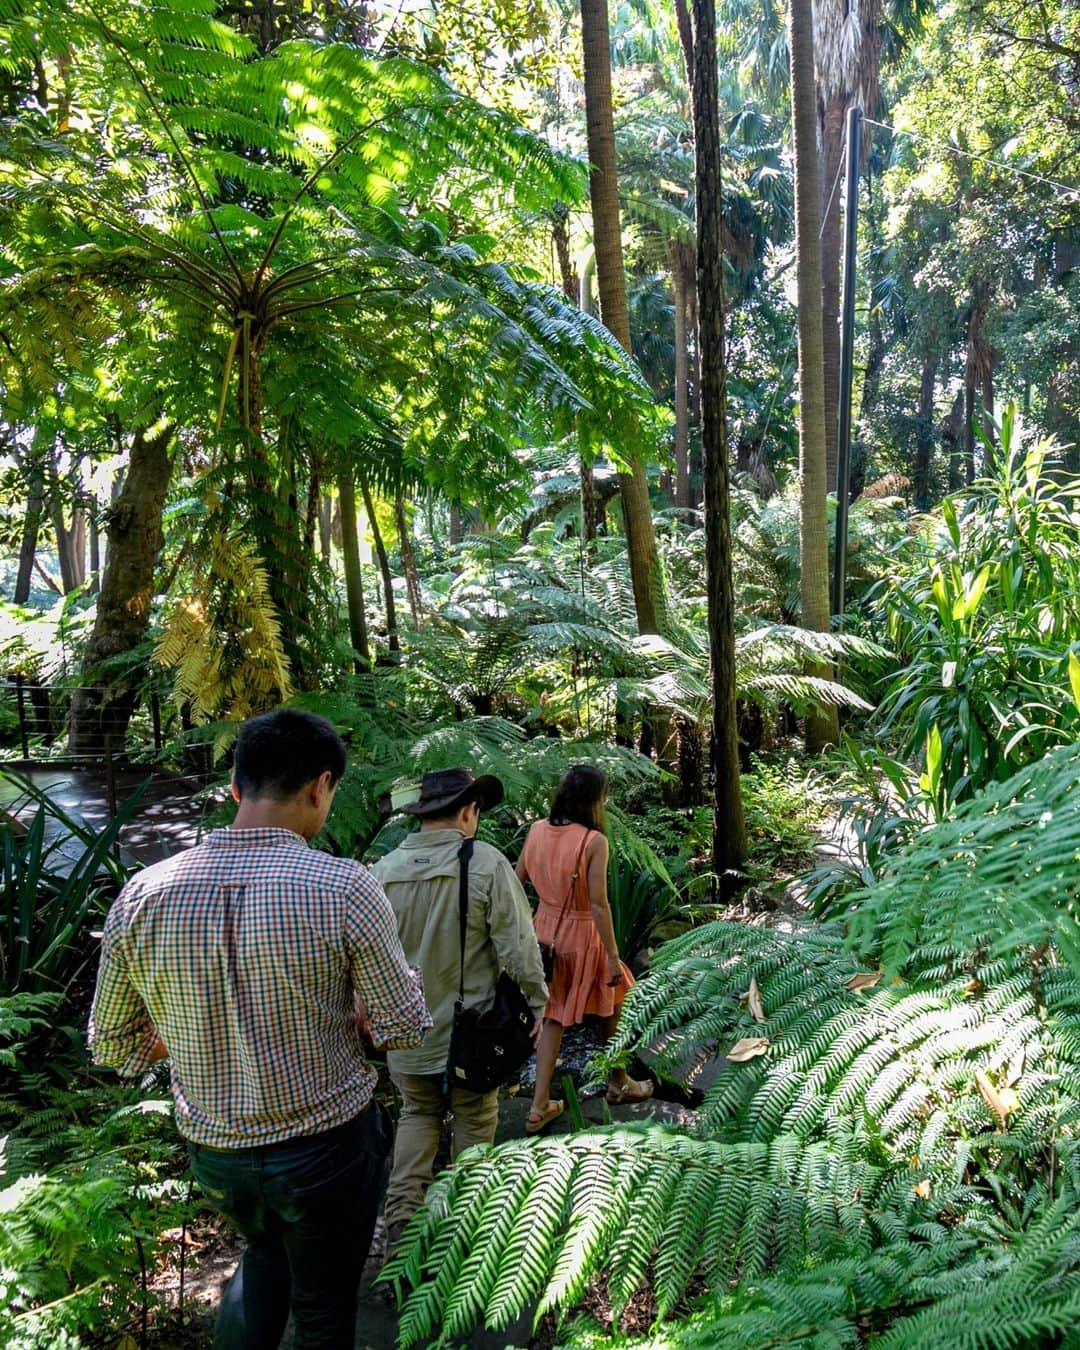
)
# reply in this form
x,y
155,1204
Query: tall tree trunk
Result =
x,y
127,589
832,158
408,562
384,570
572,289
822,727
457,529
35,511
354,576
95,548
969,415
311,511
693,328
729,827
682,379
611,282
924,435
326,526
952,435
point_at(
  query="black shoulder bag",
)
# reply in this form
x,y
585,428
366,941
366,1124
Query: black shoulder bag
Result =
x,y
487,1046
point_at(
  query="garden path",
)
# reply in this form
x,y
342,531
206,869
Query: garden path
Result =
x,y
169,815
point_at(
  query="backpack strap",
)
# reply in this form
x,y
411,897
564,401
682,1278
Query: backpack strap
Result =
x,y
464,854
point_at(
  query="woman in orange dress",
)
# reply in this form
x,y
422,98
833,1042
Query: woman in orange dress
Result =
x,y
565,857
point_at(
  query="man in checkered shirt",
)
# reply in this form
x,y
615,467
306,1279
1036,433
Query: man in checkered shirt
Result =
x,y
256,965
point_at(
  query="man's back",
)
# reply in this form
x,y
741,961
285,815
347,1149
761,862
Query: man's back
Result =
x,y
421,879
249,952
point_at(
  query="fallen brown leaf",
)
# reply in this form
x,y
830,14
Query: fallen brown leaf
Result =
x,y
753,1001
749,1047
863,980
922,1189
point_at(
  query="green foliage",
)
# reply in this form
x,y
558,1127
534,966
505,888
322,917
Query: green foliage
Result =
x,y
784,804
997,876
534,1220
911,1121
984,622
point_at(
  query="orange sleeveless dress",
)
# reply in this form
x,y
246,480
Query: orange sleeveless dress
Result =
x,y
579,983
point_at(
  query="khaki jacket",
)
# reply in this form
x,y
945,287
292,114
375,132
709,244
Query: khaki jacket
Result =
x,y
421,879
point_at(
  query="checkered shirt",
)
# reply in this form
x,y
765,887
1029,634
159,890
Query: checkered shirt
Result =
x,y
247,955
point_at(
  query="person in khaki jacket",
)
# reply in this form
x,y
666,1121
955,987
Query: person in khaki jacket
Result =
x,y
421,879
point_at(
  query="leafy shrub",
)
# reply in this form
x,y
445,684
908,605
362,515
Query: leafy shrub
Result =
x,y
785,806
90,1180
985,621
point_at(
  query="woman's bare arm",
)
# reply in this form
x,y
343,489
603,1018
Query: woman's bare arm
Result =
x,y
596,857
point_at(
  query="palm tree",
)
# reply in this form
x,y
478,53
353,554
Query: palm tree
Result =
x,y
611,284
822,727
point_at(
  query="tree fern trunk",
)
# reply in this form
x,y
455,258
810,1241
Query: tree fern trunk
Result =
x,y
822,727
354,579
127,590
384,570
611,283
729,827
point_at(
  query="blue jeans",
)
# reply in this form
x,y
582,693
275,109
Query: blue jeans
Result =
x,y
307,1208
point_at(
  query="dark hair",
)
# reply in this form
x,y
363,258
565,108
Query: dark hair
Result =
x,y
278,753
580,798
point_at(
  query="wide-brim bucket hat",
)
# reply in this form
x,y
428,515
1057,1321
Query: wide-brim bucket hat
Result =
x,y
443,791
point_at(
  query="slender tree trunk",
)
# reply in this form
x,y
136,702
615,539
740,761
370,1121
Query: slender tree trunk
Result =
x,y
457,531
682,380
354,576
969,417
311,510
611,281
693,328
729,827
35,510
572,289
924,435
326,526
832,158
77,545
127,590
384,570
822,727
952,434
988,404
95,548
408,562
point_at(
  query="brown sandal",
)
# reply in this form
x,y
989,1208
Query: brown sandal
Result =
x,y
633,1090
538,1120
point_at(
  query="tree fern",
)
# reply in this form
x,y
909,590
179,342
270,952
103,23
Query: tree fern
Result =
x,y
618,1200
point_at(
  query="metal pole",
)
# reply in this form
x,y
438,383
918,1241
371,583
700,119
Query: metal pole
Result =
x,y
20,698
847,354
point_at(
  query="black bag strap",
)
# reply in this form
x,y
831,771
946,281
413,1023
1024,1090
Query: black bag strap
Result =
x,y
570,889
464,854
